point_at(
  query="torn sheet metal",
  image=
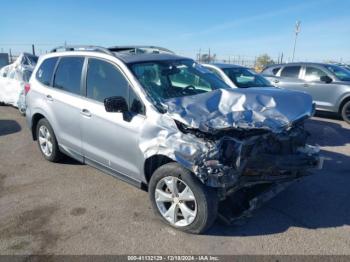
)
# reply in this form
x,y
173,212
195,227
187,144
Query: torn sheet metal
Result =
x,y
225,134
268,108
13,78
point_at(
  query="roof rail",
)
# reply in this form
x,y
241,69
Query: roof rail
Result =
x,y
82,48
136,49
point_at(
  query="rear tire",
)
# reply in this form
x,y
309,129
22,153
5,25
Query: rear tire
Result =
x,y
345,112
47,141
196,207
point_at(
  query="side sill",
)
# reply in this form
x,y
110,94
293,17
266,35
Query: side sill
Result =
x,y
115,174
104,169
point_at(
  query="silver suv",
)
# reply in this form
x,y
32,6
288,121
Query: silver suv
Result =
x,y
328,84
171,127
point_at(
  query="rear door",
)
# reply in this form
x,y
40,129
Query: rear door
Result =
x,y
109,140
66,102
290,78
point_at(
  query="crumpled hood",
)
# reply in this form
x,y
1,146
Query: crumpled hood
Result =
x,y
269,108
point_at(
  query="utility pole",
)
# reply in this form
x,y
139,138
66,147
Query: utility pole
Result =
x,y
209,56
297,31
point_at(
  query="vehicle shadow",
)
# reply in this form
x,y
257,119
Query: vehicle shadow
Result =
x,y
326,133
8,127
317,201
328,115
67,160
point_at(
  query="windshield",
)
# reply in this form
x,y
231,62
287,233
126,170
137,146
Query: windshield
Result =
x,y
341,73
167,79
243,77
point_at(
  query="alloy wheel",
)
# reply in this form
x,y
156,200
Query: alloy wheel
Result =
x,y
176,201
45,141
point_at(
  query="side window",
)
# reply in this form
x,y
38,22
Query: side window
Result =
x,y
45,71
68,74
275,70
291,71
313,74
105,80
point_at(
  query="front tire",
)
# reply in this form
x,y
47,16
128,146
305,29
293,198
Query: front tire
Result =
x,y
345,112
47,141
181,200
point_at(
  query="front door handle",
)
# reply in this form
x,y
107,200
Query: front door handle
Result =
x,y
85,112
306,85
276,81
49,98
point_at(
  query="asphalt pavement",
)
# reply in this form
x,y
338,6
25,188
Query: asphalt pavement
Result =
x,y
70,208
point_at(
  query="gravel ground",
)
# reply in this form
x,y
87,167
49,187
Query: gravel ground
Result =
x,y
70,208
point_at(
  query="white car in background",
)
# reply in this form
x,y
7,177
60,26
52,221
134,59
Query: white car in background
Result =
x,y
238,76
13,79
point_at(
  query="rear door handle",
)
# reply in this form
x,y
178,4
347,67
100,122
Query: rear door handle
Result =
x,y
306,85
275,81
49,98
85,112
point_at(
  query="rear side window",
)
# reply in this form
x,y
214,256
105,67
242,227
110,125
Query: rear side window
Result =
x,y
105,80
291,71
45,71
68,74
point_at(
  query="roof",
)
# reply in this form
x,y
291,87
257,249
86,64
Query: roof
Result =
x,y
222,65
297,64
133,58
128,54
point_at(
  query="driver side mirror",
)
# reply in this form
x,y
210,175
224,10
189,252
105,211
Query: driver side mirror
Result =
x,y
116,104
326,79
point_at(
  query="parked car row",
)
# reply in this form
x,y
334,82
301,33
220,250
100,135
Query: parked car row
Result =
x,y
168,125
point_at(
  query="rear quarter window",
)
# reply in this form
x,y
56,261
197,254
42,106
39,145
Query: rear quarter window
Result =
x,y
45,71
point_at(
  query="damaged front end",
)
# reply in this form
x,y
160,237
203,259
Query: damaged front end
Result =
x,y
252,143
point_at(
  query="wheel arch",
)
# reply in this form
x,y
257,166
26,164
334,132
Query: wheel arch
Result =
x,y
154,162
342,103
35,119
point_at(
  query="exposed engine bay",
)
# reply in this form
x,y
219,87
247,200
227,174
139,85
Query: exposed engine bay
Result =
x,y
252,140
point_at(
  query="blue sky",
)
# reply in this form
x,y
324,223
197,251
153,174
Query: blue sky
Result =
x,y
228,28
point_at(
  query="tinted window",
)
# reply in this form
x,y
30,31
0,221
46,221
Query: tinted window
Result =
x,y
342,73
313,74
291,71
45,71
105,80
275,70
68,74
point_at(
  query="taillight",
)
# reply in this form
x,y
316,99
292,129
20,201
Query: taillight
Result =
x,y
26,88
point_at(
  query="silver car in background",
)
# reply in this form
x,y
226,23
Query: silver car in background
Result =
x,y
328,84
237,76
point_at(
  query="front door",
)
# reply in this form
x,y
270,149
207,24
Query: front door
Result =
x,y
108,138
